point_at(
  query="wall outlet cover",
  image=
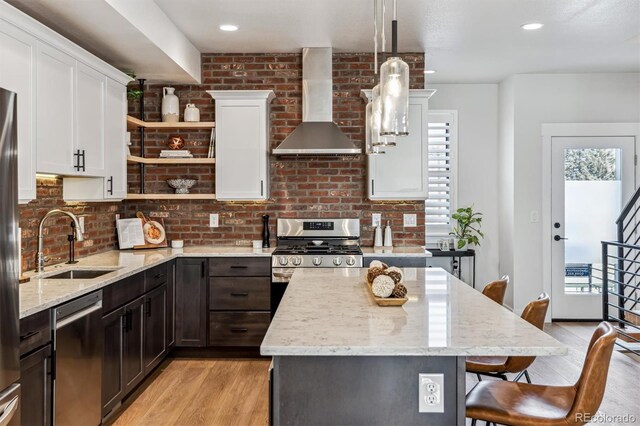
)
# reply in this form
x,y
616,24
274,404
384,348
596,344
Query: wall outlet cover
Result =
x,y
410,220
213,220
376,219
430,393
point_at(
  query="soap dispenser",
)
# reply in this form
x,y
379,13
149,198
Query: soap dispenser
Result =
x,y
377,237
388,239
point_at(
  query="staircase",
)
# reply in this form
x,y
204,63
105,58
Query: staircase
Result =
x,y
621,277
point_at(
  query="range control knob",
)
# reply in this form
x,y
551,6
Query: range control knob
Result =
x,y
296,260
337,261
317,261
351,261
283,261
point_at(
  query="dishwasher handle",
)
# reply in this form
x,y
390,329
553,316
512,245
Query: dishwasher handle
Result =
x,y
79,314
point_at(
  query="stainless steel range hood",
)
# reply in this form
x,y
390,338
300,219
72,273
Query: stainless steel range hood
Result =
x,y
317,134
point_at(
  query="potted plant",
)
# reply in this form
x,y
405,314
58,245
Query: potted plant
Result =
x,y
467,228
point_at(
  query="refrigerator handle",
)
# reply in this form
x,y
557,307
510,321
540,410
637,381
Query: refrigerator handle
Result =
x,y
8,411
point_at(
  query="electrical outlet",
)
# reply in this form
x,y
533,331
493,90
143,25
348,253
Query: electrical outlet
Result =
x,y
213,220
81,221
376,219
431,393
410,220
534,216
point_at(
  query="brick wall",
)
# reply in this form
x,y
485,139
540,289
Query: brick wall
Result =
x,y
100,234
301,187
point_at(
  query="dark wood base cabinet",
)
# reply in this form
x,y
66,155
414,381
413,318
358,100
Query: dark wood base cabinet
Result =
x,y
191,302
36,388
155,329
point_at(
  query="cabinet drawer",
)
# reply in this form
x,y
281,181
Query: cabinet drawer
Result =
x,y
122,292
237,328
35,331
240,267
156,276
246,293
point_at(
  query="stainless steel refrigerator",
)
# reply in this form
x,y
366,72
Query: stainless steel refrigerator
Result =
x,y
9,260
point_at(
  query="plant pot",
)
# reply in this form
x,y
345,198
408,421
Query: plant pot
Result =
x,y
459,241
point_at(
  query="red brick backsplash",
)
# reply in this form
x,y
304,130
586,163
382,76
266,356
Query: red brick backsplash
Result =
x,y
100,234
300,187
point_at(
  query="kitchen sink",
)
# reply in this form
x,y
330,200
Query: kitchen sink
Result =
x,y
78,274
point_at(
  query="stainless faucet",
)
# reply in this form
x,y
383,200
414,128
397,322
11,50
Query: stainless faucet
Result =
x,y
41,258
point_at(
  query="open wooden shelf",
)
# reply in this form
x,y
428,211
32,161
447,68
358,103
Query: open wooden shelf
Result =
x,y
135,123
171,196
142,160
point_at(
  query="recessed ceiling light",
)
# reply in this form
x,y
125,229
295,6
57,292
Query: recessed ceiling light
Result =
x,y
532,26
429,71
229,27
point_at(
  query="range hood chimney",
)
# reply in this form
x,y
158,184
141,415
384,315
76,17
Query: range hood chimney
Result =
x,y
317,134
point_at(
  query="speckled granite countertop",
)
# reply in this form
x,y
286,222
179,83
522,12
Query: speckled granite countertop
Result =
x,y
411,251
40,294
331,312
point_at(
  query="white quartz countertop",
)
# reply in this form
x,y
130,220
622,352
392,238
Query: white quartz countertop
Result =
x,y
40,294
331,312
411,251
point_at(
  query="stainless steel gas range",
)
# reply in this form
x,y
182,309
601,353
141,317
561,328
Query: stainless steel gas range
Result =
x,y
313,243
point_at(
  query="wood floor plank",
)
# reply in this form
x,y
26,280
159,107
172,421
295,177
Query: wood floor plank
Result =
x,y
212,392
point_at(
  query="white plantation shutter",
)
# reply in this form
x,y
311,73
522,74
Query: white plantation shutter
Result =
x,y
442,175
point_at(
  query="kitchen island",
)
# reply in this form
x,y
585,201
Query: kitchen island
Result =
x,y
338,358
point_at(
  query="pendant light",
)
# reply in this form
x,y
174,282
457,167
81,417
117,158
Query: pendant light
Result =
x,y
373,114
394,88
377,139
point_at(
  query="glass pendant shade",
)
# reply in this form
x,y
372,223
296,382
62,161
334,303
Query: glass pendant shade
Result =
x,y
370,149
394,97
376,120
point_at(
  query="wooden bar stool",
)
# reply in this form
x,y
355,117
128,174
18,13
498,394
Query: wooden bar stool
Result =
x,y
524,404
495,290
498,366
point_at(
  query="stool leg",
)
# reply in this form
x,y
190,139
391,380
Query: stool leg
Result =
x,y
526,374
473,422
479,378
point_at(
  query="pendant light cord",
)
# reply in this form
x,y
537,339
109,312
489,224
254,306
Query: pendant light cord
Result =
x,y
394,30
375,37
383,37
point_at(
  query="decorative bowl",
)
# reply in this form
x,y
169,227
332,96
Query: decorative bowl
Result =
x,y
181,186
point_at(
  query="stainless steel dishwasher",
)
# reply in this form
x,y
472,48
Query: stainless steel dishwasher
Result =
x,y
78,342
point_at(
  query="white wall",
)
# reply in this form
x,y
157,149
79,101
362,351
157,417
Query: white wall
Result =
x,y
506,184
477,106
550,98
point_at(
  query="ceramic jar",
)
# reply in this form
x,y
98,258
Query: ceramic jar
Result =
x,y
170,106
191,113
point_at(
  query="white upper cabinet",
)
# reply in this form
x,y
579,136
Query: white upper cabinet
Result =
x,y
401,173
115,182
242,144
90,120
17,73
55,111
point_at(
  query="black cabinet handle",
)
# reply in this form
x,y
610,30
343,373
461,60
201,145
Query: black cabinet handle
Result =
x,y
110,190
129,320
239,330
84,159
240,294
202,270
28,335
148,307
238,266
76,160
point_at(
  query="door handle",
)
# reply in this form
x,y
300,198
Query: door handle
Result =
x,y
558,238
239,330
240,294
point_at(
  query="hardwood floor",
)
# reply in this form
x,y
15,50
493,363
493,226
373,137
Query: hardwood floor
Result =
x,y
189,392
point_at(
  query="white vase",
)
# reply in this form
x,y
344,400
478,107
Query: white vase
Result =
x,y
170,106
191,113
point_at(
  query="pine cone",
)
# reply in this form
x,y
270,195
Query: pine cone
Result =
x,y
397,276
399,291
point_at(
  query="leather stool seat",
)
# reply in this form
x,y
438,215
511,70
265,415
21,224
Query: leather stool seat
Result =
x,y
515,403
487,364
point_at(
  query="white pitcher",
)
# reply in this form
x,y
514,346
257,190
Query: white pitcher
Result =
x,y
170,105
191,113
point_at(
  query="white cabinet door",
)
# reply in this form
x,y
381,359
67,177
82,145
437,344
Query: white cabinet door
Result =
x,y
89,119
401,173
17,73
115,144
242,144
55,111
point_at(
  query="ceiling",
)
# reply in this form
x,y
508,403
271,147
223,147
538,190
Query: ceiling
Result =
x,y
464,40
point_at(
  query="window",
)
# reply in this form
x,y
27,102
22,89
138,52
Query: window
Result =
x,y
442,175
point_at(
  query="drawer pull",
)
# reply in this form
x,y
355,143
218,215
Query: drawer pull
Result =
x,y
239,330
239,266
240,294
159,276
28,335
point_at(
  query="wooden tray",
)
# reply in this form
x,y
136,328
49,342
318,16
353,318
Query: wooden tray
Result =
x,y
386,301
